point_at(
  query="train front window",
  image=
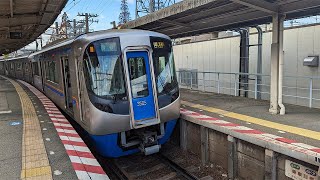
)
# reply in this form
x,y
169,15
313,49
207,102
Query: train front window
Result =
x,y
138,77
163,62
103,69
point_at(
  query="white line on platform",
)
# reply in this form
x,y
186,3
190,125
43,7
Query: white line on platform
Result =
x,y
5,112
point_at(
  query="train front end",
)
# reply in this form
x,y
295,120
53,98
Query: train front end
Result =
x,y
133,91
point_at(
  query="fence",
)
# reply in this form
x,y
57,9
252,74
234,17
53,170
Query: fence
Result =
x,y
297,90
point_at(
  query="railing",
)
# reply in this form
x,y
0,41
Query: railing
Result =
x,y
298,90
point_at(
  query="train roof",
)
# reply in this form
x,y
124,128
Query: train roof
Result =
x,y
15,58
93,37
119,33
97,35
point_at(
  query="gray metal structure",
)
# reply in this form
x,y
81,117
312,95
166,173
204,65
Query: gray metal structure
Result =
x,y
192,17
144,7
23,21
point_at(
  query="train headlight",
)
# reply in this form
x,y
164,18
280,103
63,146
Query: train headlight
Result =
x,y
102,107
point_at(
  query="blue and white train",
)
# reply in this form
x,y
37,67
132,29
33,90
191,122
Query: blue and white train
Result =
x,y
119,85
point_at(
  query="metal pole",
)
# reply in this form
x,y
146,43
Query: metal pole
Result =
x,y
57,29
218,83
87,22
310,92
259,61
74,27
235,84
256,87
151,6
137,13
191,79
204,82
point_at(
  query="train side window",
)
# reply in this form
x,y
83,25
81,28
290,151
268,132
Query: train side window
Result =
x,y
18,65
26,67
1,66
11,66
35,68
51,71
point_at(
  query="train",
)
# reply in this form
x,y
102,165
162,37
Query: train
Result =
x,y
120,86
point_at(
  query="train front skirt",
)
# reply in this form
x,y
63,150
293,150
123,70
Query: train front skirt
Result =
x,y
108,145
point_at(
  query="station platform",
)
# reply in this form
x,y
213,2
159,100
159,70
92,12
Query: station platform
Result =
x,y
37,141
299,125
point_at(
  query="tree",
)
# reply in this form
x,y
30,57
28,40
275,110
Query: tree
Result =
x,y
125,14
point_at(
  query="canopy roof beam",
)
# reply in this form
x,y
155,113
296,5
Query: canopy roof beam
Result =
x,y
259,5
11,8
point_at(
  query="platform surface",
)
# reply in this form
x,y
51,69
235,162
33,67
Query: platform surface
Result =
x,y
301,124
36,140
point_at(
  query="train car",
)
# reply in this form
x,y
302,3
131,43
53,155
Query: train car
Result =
x,y
14,67
2,67
119,85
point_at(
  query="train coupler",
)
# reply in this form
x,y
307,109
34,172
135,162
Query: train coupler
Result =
x,y
149,144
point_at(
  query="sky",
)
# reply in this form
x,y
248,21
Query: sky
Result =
x,y
108,11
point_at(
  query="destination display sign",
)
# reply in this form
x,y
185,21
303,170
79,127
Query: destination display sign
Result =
x,y
158,45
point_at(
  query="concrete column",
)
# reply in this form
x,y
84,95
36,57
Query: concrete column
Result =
x,y
232,158
270,165
183,134
277,39
204,145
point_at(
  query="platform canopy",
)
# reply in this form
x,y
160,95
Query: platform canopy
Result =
x,y
192,17
23,21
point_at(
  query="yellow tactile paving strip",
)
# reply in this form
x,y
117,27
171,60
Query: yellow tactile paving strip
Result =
x,y
35,163
291,129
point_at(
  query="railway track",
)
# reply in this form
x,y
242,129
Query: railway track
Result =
x,y
171,164
137,166
156,167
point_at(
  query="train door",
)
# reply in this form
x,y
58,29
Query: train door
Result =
x,y
141,88
67,83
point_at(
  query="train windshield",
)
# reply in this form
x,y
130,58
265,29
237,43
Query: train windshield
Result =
x,y
103,69
163,62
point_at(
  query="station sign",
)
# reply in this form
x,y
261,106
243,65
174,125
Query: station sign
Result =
x,y
15,35
297,171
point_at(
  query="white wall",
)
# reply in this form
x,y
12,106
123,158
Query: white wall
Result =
x,y
222,55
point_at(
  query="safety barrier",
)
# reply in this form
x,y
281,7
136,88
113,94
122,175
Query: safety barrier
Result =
x,y
296,90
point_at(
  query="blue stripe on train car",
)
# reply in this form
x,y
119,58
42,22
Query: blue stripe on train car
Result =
x,y
54,90
107,145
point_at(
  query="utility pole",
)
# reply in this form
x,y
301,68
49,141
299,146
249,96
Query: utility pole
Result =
x,y
74,27
57,28
88,18
87,22
113,23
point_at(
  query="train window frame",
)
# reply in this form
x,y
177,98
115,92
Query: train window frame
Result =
x,y
26,67
91,63
140,73
18,66
51,69
35,69
166,78
11,66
